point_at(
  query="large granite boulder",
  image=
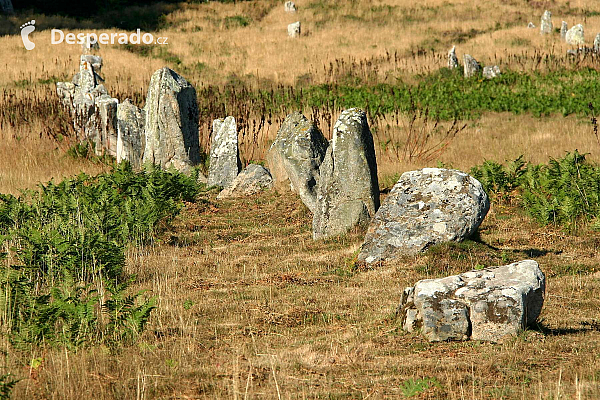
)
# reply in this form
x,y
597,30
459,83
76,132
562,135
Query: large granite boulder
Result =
x,y
488,304
254,179
171,122
470,66
574,35
348,190
225,162
295,157
546,23
131,139
424,208
491,72
290,7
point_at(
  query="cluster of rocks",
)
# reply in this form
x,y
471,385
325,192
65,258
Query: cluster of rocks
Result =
x,y
471,67
573,36
293,28
164,132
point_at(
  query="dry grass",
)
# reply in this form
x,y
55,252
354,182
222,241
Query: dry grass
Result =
x,y
249,305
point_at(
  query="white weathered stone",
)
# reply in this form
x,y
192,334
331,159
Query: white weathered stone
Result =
x,y
348,190
290,7
425,207
531,25
254,179
574,35
470,66
225,162
489,304
131,139
546,23
597,43
490,72
563,30
452,59
106,125
294,29
171,122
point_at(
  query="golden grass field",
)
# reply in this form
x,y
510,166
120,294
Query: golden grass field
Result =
x,y
249,306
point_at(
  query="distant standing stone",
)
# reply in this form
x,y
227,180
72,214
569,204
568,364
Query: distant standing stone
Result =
x,y
294,29
546,23
225,162
290,7
348,191
89,46
471,67
531,25
574,35
254,179
171,122
563,30
491,72
452,59
597,43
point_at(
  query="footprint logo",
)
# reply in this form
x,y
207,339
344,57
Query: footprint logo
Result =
x,y
26,29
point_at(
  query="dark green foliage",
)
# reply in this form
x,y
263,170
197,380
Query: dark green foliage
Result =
x,y
6,386
64,284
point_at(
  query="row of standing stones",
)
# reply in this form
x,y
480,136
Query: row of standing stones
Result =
x,y
573,36
337,181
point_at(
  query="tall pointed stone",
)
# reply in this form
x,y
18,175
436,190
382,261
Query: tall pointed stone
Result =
x,y
171,122
225,162
452,59
471,67
563,30
546,23
348,191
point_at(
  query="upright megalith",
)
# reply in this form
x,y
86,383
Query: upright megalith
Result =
x,y
574,35
563,30
348,190
131,140
290,7
106,125
452,59
471,67
597,43
171,122
546,23
295,157
294,29
225,162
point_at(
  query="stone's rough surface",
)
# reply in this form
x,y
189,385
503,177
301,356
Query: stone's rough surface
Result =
x,y
86,81
348,190
424,208
491,72
452,59
296,155
105,132
66,93
531,25
597,43
131,139
294,29
563,30
546,23
254,179
574,35
94,61
488,304
171,122
290,7
225,162
471,66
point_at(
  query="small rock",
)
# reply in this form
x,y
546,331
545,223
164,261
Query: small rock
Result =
x,y
489,304
294,29
574,35
225,162
425,207
491,72
471,66
531,25
452,59
563,30
546,24
597,43
254,179
290,7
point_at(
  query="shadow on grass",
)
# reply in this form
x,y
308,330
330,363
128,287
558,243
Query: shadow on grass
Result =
x,y
586,326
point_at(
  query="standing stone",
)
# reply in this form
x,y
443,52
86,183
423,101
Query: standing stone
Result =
x,y
546,24
597,43
106,125
88,47
563,30
452,59
6,7
225,162
290,7
86,80
131,140
489,304
254,179
348,191
94,61
294,29
425,207
296,155
491,72
171,122
471,66
574,35
66,93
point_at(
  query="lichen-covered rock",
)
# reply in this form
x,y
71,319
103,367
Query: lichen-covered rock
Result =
x,y
546,23
574,35
105,135
452,59
296,155
254,179
290,7
425,207
171,122
488,304
86,80
491,72
563,30
294,29
348,190
66,93
94,61
225,162
131,139
470,66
